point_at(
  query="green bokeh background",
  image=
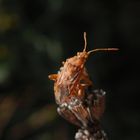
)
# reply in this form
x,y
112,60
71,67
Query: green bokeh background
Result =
x,y
37,35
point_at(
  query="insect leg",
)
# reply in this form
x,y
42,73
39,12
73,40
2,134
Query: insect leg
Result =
x,y
85,80
81,92
53,77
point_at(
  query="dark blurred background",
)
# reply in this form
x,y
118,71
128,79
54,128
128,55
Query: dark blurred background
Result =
x,y
37,35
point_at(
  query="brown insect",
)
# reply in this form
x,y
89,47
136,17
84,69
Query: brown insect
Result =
x,y
70,84
72,79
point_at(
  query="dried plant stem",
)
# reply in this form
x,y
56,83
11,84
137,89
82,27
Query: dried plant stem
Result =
x,y
86,114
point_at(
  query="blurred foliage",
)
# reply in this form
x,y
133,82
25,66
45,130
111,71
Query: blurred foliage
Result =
x,y
36,35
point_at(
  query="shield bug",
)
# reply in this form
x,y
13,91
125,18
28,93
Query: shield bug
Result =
x,y
70,83
72,78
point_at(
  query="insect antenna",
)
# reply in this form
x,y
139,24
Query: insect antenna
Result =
x,y
98,49
85,39
103,49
